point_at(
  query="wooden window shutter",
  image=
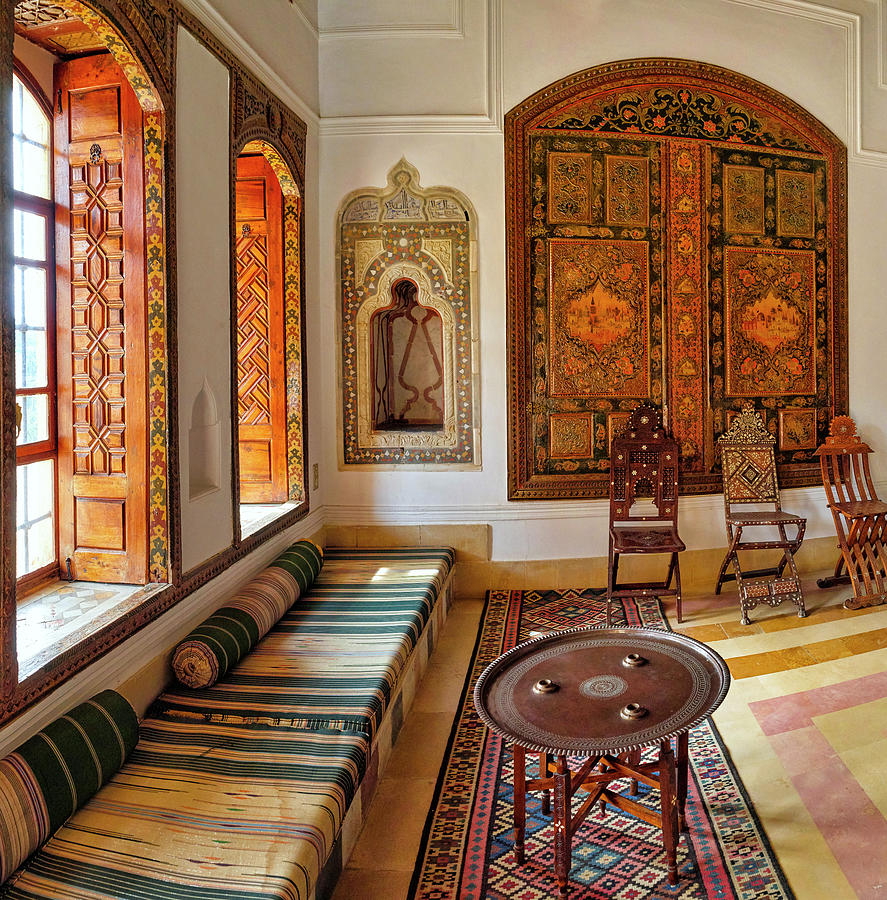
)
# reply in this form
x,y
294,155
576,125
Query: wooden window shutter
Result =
x,y
101,310
261,367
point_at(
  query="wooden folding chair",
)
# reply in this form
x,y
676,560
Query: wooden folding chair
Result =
x,y
860,517
749,470
644,464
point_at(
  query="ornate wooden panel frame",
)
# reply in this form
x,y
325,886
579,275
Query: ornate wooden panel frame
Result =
x,y
146,29
261,122
676,233
426,236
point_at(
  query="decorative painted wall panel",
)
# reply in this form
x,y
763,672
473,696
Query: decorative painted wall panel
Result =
x,y
408,329
677,234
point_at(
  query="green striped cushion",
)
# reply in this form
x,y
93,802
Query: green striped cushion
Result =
x,y
205,812
334,659
228,635
55,772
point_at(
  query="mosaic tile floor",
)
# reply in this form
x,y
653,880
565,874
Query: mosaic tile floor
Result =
x,y
62,613
805,721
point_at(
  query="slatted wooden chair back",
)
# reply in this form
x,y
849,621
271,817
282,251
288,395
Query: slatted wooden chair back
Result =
x,y
644,465
860,517
844,460
748,461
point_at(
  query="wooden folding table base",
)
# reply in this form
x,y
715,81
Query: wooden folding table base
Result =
x,y
600,695
667,774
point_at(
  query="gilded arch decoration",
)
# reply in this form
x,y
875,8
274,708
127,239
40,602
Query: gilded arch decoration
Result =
x,y
676,232
427,236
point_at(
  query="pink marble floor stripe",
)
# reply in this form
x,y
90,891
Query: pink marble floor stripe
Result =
x,y
853,827
794,711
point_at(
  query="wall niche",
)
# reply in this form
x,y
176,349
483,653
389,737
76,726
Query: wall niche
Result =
x,y
408,329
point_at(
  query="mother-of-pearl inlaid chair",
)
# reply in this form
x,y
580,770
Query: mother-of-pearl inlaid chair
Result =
x,y
644,504
749,469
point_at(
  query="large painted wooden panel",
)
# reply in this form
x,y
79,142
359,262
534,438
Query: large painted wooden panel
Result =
x,y
261,372
101,302
676,234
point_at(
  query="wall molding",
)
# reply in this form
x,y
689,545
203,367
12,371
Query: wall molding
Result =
x,y
488,122
453,28
851,23
251,58
522,510
306,21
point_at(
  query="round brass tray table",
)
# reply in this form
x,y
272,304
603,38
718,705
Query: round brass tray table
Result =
x,y
603,694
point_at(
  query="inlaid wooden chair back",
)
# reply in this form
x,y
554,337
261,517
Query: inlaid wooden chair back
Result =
x,y
644,465
749,470
860,516
748,461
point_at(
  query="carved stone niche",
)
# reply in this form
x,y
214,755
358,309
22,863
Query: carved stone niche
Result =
x,y
408,328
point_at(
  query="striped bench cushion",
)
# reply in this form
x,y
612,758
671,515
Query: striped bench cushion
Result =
x,y
334,659
232,631
205,811
57,770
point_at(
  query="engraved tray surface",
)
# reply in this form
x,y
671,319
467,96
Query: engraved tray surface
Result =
x,y
681,682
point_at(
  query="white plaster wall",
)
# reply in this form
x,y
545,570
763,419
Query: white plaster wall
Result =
x,y
204,304
381,58
267,35
814,53
37,61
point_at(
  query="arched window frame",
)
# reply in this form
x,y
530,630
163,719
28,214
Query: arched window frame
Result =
x,y
262,123
44,206
148,35
145,52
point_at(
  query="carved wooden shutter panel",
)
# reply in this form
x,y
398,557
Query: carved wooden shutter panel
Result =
x,y
261,368
99,189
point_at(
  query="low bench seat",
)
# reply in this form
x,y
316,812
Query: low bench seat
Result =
x,y
205,811
256,787
334,659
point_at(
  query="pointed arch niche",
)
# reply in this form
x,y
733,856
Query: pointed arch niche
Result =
x,y
408,327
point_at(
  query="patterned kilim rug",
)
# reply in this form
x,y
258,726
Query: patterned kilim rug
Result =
x,y
466,849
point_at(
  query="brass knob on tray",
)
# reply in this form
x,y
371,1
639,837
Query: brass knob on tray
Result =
x,y
545,686
633,711
633,660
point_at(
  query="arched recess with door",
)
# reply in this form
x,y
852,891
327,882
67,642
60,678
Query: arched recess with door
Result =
x,y
105,87
268,314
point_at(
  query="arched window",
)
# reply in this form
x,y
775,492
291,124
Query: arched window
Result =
x,y
269,370
90,357
34,293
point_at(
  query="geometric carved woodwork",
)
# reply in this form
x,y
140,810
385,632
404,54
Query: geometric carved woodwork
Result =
x,y
101,309
420,406
261,370
860,517
749,471
676,235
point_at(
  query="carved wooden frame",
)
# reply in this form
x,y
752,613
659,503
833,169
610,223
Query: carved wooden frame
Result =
x,y
258,116
526,480
149,27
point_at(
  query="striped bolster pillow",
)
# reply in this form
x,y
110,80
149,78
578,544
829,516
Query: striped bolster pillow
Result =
x,y
55,772
228,635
